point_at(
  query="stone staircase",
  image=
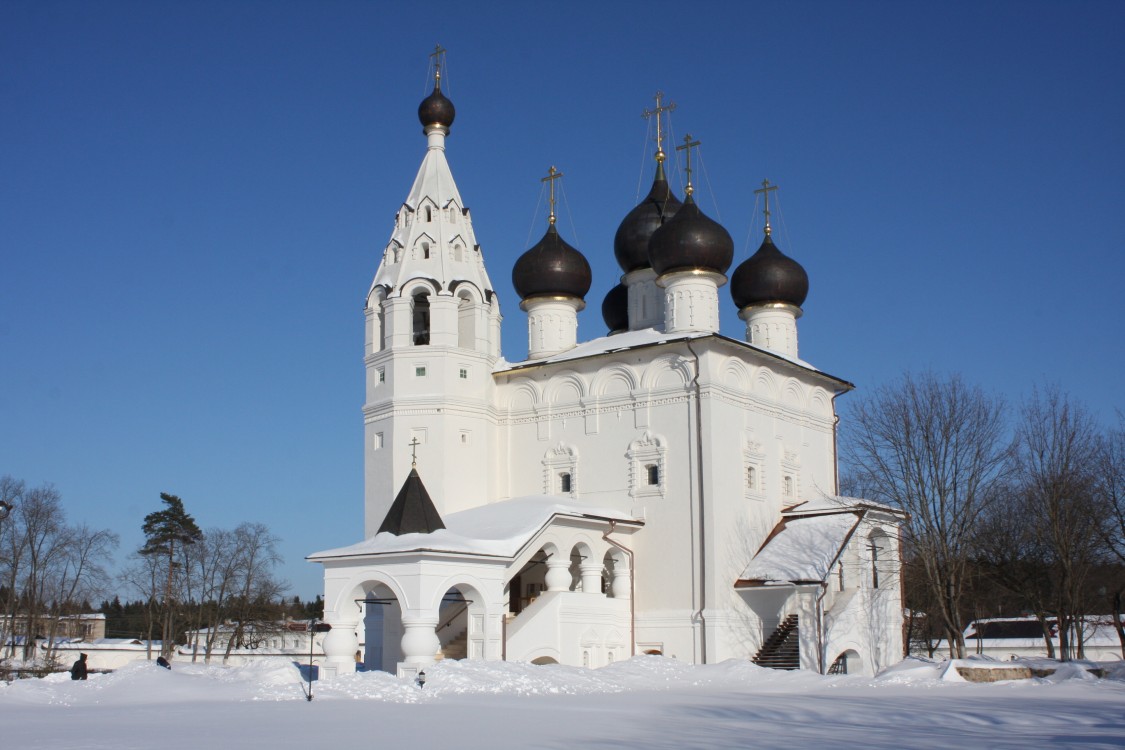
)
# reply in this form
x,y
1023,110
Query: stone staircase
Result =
x,y
782,649
457,648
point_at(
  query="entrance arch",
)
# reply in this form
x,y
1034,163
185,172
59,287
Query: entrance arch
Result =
x,y
380,631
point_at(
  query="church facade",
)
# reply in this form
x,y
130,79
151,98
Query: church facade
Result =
x,y
661,489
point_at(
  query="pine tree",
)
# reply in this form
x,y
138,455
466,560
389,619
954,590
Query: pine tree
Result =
x,y
163,529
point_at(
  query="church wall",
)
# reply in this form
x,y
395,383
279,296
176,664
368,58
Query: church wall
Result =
x,y
603,419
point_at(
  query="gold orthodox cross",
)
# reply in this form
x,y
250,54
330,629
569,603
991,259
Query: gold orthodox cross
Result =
x,y
438,57
414,452
552,175
659,110
689,144
765,193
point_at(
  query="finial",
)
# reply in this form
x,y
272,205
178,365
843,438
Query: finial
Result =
x,y
657,111
414,453
438,56
552,175
689,144
765,191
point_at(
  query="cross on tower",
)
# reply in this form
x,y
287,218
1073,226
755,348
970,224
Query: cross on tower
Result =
x,y
765,192
552,175
660,109
414,452
438,58
689,144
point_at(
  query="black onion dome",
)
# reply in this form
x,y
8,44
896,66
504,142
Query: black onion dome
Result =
x,y
630,244
552,268
690,240
615,309
436,109
769,275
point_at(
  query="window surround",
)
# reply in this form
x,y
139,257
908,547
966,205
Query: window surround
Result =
x,y
647,453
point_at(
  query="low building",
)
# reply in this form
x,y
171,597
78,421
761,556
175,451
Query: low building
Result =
x,y
1007,638
287,639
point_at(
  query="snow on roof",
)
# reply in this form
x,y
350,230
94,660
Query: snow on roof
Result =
x,y
634,339
497,530
617,342
803,550
836,504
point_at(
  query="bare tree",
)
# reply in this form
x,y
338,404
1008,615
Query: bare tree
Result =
x,y
143,575
1058,448
1109,484
1011,553
79,574
257,588
216,562
12,551
47,565
934,447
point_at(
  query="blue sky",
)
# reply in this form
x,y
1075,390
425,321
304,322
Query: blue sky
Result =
x,y
194,198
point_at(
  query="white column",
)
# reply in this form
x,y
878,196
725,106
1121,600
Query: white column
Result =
x,y
691,300
772,326
443,319
558,574
399,322
621,579
340,645
591,577
552,325
646,301
420,643
494,318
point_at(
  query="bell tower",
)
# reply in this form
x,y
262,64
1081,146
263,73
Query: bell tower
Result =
x,y
432,337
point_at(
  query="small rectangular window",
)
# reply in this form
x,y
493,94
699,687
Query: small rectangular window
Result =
x,y
565,482
382,375
377,443
464,374
653,474
420,371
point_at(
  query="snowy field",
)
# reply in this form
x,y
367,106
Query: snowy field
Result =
x,y
647,702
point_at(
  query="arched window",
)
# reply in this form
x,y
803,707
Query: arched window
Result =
x,y
421,319
457,253
565,482
787,486
426,248
751,478
429,214
653,472
875,544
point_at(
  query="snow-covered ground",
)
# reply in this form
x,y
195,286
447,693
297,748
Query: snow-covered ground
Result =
x,y
646,702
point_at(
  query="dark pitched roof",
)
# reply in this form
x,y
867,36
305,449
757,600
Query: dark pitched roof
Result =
x,y
413,511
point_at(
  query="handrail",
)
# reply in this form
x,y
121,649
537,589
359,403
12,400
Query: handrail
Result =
x,y
452,617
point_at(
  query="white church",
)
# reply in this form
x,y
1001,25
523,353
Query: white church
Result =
x,y
663,489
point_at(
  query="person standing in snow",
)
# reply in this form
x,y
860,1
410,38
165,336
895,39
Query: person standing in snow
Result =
x,y
78,671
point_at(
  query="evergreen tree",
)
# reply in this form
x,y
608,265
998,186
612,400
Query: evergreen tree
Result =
x,y
164,530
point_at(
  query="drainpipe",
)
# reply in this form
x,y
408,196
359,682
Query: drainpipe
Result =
x,y
702,508
632,588
835,444
820,642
